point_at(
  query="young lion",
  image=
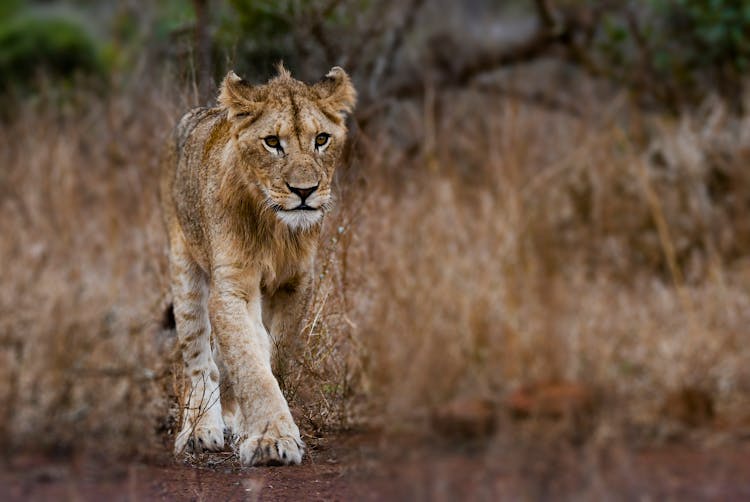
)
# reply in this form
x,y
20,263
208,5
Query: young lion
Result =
x,y
244,189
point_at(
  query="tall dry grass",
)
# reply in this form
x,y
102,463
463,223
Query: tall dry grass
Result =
x,y
477,247
534,247
84,278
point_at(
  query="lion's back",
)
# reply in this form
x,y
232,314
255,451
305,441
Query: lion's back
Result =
x,y
181,177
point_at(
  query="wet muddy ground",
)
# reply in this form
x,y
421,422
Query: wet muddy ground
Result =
x,y
369,466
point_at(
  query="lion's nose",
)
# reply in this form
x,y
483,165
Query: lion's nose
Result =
x,y
302,192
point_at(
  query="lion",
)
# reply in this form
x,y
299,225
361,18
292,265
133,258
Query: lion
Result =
x,y
244,189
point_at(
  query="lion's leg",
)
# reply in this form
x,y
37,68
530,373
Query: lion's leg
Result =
x,y
282,313
230,407
202,421
267,432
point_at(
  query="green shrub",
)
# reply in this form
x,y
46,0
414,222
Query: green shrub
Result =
x,y
50,45
305,34
258,34
677,51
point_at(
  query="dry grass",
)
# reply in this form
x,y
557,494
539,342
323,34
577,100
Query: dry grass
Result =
x,y
472,251
84,283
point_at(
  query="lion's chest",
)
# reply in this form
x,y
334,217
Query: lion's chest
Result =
x,y
280,271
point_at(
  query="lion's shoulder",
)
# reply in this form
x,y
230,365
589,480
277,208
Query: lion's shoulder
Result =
x,y
191,121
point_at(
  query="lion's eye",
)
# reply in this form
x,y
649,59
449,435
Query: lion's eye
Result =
x,y
272,141
322,139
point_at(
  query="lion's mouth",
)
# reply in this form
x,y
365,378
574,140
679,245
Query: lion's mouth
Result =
x,y
301,216
303,207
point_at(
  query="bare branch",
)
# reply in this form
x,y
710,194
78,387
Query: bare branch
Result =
x,y
384,63
312,27
203,50
546,19
374,30
457,72
558,34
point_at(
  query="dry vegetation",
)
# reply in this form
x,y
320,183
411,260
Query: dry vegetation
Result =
x,y
478,246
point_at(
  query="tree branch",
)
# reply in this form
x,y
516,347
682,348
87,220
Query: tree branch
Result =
x,y
544,13
457,72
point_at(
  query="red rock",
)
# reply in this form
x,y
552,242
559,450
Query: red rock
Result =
x,y
551,400
690,406
466,418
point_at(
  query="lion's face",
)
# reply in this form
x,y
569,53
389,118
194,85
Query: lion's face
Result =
x,y
289,136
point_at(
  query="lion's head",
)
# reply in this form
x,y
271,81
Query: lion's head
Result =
x,y
289,136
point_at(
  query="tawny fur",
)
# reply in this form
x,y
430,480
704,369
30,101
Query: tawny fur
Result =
x,y
240,254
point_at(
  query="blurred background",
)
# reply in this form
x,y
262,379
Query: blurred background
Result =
x,y
541,235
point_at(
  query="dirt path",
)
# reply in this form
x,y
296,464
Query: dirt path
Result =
x,y
372,467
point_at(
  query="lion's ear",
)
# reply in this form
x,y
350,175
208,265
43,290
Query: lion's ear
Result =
x,y
336,92
237,96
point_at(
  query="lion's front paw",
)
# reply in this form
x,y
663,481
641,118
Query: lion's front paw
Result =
x,y
272,449
207,435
